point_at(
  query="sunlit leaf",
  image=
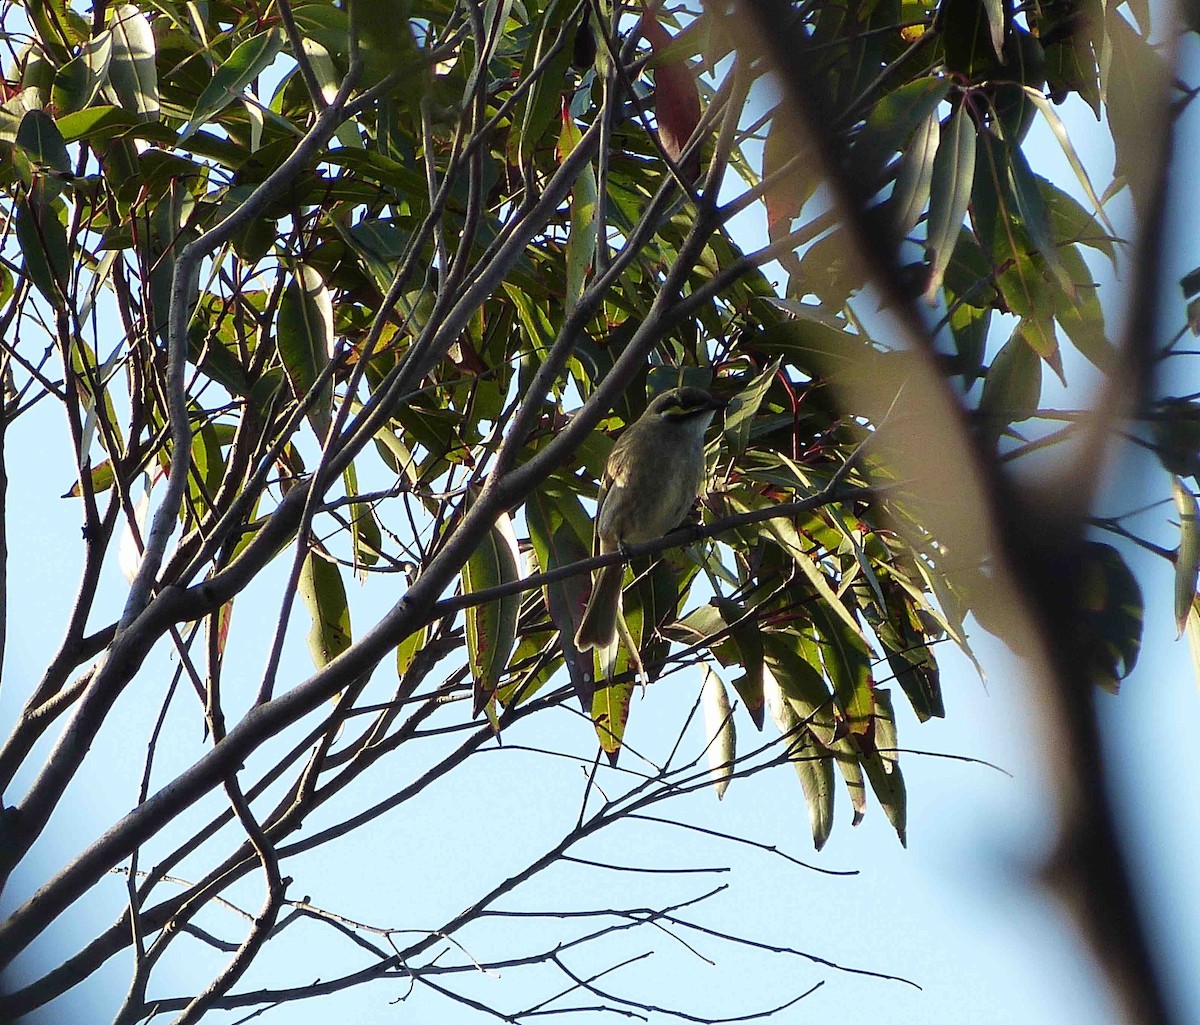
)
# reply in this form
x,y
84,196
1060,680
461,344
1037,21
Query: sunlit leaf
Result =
x,y
1187,558
916,175
950,193
248,60
813,764
719,732
79,80
491,625
324,595
304,334
584,228
132,73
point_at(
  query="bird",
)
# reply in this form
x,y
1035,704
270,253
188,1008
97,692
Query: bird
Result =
x,y
651,479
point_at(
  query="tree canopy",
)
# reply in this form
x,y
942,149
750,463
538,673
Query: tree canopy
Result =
x,y
364,292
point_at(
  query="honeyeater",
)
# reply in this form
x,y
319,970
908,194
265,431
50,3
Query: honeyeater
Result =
x,y
650,481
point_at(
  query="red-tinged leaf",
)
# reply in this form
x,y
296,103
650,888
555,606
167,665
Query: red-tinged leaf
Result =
x,y
610,713
102,479
785,198
676,98
222,619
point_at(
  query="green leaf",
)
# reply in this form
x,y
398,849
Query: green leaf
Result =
x,y
132,74
743,408
803,688
901,634
584,228
1187,558
813,764
784,533
847,660
950,194
79,80
883,768
364,528
1082,317
995,17
719,732
304,334
407,649
491,626
544,99
43,240
610,713
324,596
43,143
1032,212
1070,222
560,531
248,60
1013,385
893,120
1064,141
916,175
102,476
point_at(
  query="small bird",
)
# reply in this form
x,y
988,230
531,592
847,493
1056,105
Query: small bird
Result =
x,y
650,481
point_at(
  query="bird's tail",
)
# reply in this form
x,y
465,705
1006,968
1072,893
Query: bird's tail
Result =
x,y
598,629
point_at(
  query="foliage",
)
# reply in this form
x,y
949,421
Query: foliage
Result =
x,y
349,288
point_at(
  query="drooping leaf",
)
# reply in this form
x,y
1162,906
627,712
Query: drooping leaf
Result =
x,y
491,625
676,98
132,72
719,732
916,175
44,245
1012,386
407,649
744,406
882,767
324,595
950,194
813,765
560,533
584,228
1187,558
304,334
41,140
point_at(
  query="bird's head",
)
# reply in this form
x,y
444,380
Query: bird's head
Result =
x,y
685,405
